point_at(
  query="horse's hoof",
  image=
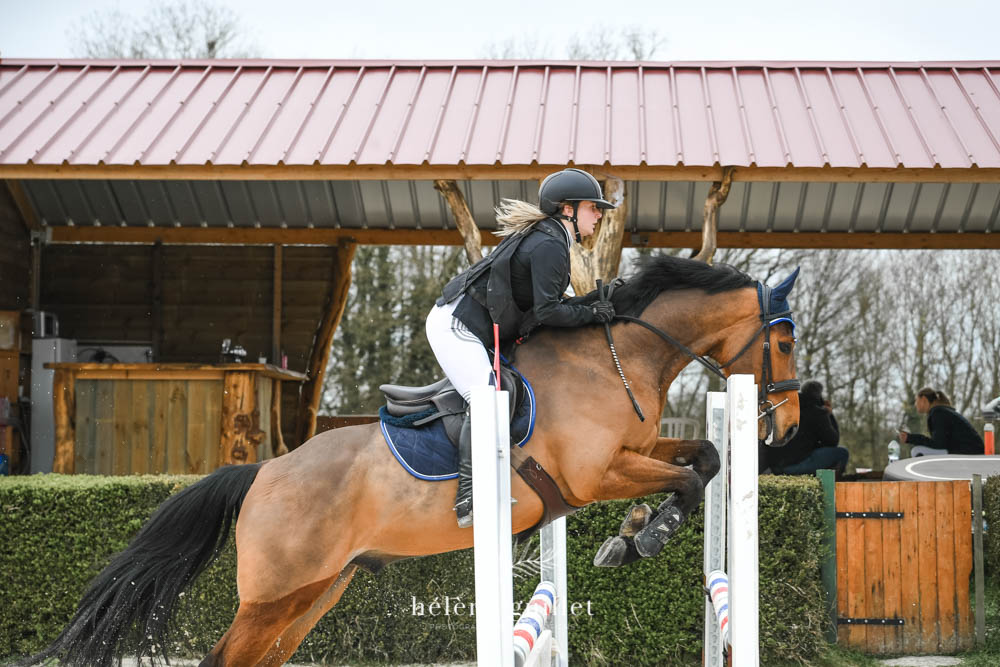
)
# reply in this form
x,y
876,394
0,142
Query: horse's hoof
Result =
x,y
650,540
637,519
615,552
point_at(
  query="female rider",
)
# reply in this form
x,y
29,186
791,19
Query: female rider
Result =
x,y
519,286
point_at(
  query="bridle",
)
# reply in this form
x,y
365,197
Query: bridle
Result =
x,y
768,318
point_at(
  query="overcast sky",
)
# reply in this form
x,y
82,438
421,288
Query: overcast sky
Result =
x,y
876,30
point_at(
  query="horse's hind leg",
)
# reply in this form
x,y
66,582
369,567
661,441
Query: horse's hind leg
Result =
x,y
258,625
290,639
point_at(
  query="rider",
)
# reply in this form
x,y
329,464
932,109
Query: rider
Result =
x,y
520,286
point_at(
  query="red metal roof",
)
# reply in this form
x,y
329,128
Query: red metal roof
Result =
x,y
879,115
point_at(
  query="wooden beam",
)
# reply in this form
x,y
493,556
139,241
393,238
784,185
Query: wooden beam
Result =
x,y
64,414
598,257
717,195
210,172
258,236
23,203
156,319
277,439
276,296
340,283
329,237
463,219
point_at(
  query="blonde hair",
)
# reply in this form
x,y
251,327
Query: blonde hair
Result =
x,y
515,216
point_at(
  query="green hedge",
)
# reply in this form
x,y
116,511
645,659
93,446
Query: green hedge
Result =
x,y
58,531
991,507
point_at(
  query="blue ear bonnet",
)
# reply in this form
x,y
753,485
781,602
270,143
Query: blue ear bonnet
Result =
x,y
773,301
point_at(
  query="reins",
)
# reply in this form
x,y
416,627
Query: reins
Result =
x,y
767,320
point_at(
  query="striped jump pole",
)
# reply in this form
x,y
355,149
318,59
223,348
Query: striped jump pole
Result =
x,y
731,523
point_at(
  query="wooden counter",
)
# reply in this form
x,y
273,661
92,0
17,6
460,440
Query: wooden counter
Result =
x,y
119,419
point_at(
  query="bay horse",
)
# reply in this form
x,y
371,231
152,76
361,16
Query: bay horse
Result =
x,y
307,520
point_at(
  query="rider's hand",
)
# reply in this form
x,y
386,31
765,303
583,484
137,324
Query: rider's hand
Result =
x,y
603,311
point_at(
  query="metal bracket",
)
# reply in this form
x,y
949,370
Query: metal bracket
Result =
x,y
870,621
869,515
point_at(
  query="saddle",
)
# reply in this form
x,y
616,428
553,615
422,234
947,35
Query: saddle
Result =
x,y
417,406
410,407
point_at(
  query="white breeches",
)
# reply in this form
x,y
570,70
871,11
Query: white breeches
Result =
x,y
461,355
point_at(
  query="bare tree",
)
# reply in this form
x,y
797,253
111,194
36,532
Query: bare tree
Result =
x,y
633,42
629,43
182,29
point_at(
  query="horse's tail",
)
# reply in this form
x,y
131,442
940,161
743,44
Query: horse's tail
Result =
x,y
129,604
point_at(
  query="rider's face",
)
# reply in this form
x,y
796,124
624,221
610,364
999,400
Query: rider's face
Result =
x,y
587,216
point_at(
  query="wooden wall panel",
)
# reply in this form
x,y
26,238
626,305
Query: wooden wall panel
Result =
x,y
15,255
915,568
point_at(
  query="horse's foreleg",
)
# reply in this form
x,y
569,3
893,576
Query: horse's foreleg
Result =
x,y
701,455
644,533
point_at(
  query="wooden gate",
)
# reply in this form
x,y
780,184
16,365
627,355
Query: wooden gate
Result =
x,y
904,558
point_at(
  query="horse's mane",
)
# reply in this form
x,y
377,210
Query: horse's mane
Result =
x,y
659,273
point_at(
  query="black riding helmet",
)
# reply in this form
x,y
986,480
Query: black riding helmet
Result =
x,y
570,185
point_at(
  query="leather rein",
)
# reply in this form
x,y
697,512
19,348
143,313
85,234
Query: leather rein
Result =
x,y
767,385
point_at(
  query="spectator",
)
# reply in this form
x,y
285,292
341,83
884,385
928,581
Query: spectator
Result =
x,y
951,433
814,446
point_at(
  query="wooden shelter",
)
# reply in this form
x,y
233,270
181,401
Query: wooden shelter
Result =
x,y
178,203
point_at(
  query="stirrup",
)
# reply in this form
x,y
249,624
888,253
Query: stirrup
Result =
x,y
463,512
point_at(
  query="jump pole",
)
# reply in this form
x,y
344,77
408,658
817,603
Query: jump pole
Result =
x,y
731,423
492,538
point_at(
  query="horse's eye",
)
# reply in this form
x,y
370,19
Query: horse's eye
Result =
x,y
785,347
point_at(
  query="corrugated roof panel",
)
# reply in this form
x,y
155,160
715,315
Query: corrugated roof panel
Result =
x,y
504,112
625,140
484,132
658,118
727,119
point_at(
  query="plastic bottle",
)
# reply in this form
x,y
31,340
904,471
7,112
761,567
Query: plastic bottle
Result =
x,y
894,451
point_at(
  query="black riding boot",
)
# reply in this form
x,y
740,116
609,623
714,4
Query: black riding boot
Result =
x,y
463,499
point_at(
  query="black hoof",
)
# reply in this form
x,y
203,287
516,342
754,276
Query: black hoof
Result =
x,y
650,540
615,552
638,518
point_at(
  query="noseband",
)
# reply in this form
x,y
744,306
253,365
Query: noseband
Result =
x,y
766,408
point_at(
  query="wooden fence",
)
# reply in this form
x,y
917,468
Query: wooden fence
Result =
x,y
903,577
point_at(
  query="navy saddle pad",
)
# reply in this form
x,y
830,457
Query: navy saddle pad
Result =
x,y
426,453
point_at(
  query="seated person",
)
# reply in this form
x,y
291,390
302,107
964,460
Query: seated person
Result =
x,y
951,433
814,446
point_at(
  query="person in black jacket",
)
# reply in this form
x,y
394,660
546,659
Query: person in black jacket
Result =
x,y
519,286
814,446
951,433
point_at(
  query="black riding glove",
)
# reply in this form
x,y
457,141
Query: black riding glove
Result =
x,y
603,311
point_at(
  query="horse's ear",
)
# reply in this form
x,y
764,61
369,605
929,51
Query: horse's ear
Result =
x,y
781,291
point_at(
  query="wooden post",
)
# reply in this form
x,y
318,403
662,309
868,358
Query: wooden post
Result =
x,y
241,432
977,554
599,255
276,295
64,412
717,195
828,567
463,219
340,283
156,321
277,440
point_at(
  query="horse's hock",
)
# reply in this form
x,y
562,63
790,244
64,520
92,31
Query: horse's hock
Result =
x,y
904,558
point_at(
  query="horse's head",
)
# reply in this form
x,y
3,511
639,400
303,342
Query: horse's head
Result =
x,y
766,349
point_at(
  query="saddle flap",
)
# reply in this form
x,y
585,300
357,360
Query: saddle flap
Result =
x,y
402,394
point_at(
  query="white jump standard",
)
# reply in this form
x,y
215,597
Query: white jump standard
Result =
x,y
731,423
494,567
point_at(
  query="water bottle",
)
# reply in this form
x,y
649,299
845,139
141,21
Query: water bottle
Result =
x,y
893,451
